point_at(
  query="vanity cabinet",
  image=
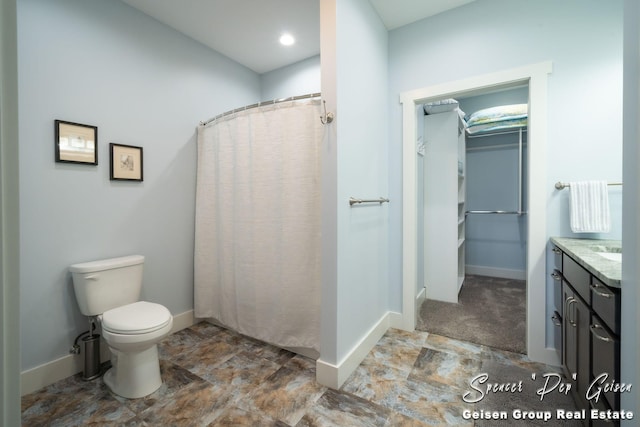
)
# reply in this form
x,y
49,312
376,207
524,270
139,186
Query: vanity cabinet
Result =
x,y
587,311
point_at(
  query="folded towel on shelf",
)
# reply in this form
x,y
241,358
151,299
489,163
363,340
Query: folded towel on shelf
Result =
x,y
590,207
441,106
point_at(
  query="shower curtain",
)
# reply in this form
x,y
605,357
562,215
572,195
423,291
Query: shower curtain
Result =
x,y
257,228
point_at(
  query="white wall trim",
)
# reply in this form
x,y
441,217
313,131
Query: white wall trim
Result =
x,y
420,298
395,320
334,376
504,273
9,218
48,373
535,75
183,321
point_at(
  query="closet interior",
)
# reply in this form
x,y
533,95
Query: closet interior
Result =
x,y
472,169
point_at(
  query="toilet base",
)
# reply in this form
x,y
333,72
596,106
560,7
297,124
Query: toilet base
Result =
x,y
134,375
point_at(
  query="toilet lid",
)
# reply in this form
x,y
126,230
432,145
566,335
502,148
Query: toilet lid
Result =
x,y
137,318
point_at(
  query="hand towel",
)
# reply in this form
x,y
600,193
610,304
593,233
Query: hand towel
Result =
x,y
590,207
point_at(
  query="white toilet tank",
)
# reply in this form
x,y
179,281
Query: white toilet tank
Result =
x,y
106,284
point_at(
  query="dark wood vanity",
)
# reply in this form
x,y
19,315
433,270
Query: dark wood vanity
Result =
x,y
587,320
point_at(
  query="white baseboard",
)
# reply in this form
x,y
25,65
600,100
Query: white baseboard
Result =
x,y
48,373
183,321
504,273
396,320
334,376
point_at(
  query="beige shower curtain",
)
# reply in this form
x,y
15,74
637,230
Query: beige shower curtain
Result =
x,y
257,228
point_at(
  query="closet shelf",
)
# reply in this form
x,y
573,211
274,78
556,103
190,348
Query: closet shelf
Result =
x,y
444,188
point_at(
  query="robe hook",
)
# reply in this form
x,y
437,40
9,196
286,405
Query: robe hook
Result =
x,y
328,117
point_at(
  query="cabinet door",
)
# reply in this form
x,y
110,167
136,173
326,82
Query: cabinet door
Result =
x,y
583,334
569,333
576,343
606,350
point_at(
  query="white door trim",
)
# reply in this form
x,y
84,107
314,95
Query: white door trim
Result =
x,y
535,76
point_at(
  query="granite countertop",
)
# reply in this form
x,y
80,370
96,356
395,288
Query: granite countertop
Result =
x,y
584,252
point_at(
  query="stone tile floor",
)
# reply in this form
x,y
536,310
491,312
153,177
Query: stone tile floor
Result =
x,y
215,377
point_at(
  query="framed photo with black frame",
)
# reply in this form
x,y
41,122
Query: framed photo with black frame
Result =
x,y
76,143
126,163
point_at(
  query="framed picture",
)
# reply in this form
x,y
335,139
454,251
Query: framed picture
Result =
x,y
76,143
126,162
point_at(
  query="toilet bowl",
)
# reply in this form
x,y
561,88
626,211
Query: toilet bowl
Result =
x,y
132,333
109,290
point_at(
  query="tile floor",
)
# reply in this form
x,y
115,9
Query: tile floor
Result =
x,y
214,377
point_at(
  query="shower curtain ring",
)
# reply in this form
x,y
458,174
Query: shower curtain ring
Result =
x,y
328,117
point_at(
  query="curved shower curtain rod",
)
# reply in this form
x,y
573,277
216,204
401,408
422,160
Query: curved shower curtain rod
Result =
x,y
326,118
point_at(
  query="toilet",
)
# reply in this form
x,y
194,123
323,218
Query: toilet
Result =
x,y
110,290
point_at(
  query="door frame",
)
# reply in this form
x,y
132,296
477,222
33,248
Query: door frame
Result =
x,y
535,76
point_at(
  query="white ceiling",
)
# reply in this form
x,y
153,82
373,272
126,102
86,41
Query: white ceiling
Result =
x,y
247,31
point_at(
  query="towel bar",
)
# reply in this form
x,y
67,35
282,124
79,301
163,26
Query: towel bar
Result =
x,y
354,201
562,185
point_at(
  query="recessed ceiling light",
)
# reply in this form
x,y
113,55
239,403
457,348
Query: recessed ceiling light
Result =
x,y
287,39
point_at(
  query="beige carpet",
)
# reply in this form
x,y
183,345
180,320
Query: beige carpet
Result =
x,y
491,311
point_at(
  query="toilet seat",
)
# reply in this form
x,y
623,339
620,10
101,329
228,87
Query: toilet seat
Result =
x,y
140,317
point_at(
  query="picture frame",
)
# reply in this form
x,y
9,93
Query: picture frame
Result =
x,y
126,162
76,143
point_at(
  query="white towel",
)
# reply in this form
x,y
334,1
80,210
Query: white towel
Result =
x,y
590,207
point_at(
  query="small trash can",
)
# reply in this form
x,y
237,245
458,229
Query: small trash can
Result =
x,y
92,367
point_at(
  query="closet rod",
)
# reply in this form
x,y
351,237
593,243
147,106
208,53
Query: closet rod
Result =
x,y
260,104
493,147
562,185
509,132
496,212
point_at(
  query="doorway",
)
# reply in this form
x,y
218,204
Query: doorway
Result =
x,y
472,179
413,293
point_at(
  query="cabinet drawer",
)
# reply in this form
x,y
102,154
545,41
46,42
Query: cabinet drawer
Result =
x,y
605,301
578,277
605,349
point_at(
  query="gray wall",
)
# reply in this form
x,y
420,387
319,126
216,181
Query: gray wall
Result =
x,y
495,241
355,250
104,63
362,172
300,78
